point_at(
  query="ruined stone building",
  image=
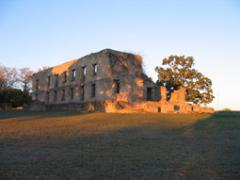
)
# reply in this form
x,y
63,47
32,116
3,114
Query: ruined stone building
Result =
x,y
109,81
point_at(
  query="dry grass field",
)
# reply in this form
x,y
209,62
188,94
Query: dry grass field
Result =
x,y
144,146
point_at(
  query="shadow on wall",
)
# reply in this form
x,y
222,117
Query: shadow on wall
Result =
x,y
90,81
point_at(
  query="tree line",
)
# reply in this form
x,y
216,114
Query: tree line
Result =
x,y
15,86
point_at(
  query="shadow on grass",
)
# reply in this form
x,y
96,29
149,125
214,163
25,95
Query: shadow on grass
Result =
x,y
38,114
215,147
208,149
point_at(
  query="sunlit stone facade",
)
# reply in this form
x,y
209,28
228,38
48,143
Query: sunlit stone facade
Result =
x,y
107,81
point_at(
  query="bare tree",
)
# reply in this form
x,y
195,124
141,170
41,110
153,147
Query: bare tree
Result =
x,y
25,78
8,77
2,77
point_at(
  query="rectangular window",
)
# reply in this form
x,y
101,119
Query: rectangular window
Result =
x,y
176,108
93,93
82,93
48,81
56,80
47,97
37,84
55,96
149,94
64,77
63,95
95,69
117,86
84,71
72,93
36,97
73,74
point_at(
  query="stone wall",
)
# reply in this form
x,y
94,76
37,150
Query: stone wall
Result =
x,y
109,81
74,81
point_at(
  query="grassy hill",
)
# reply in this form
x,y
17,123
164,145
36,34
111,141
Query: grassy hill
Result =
x,y
67,145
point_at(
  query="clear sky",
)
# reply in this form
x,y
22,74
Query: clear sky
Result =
x,y
45,33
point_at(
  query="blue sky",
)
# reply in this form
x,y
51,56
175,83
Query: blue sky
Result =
x,y
45,33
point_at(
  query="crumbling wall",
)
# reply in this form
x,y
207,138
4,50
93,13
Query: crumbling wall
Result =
x,y
37,106
127,68
137,93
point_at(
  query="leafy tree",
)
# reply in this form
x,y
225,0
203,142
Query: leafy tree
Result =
x,y
177,72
